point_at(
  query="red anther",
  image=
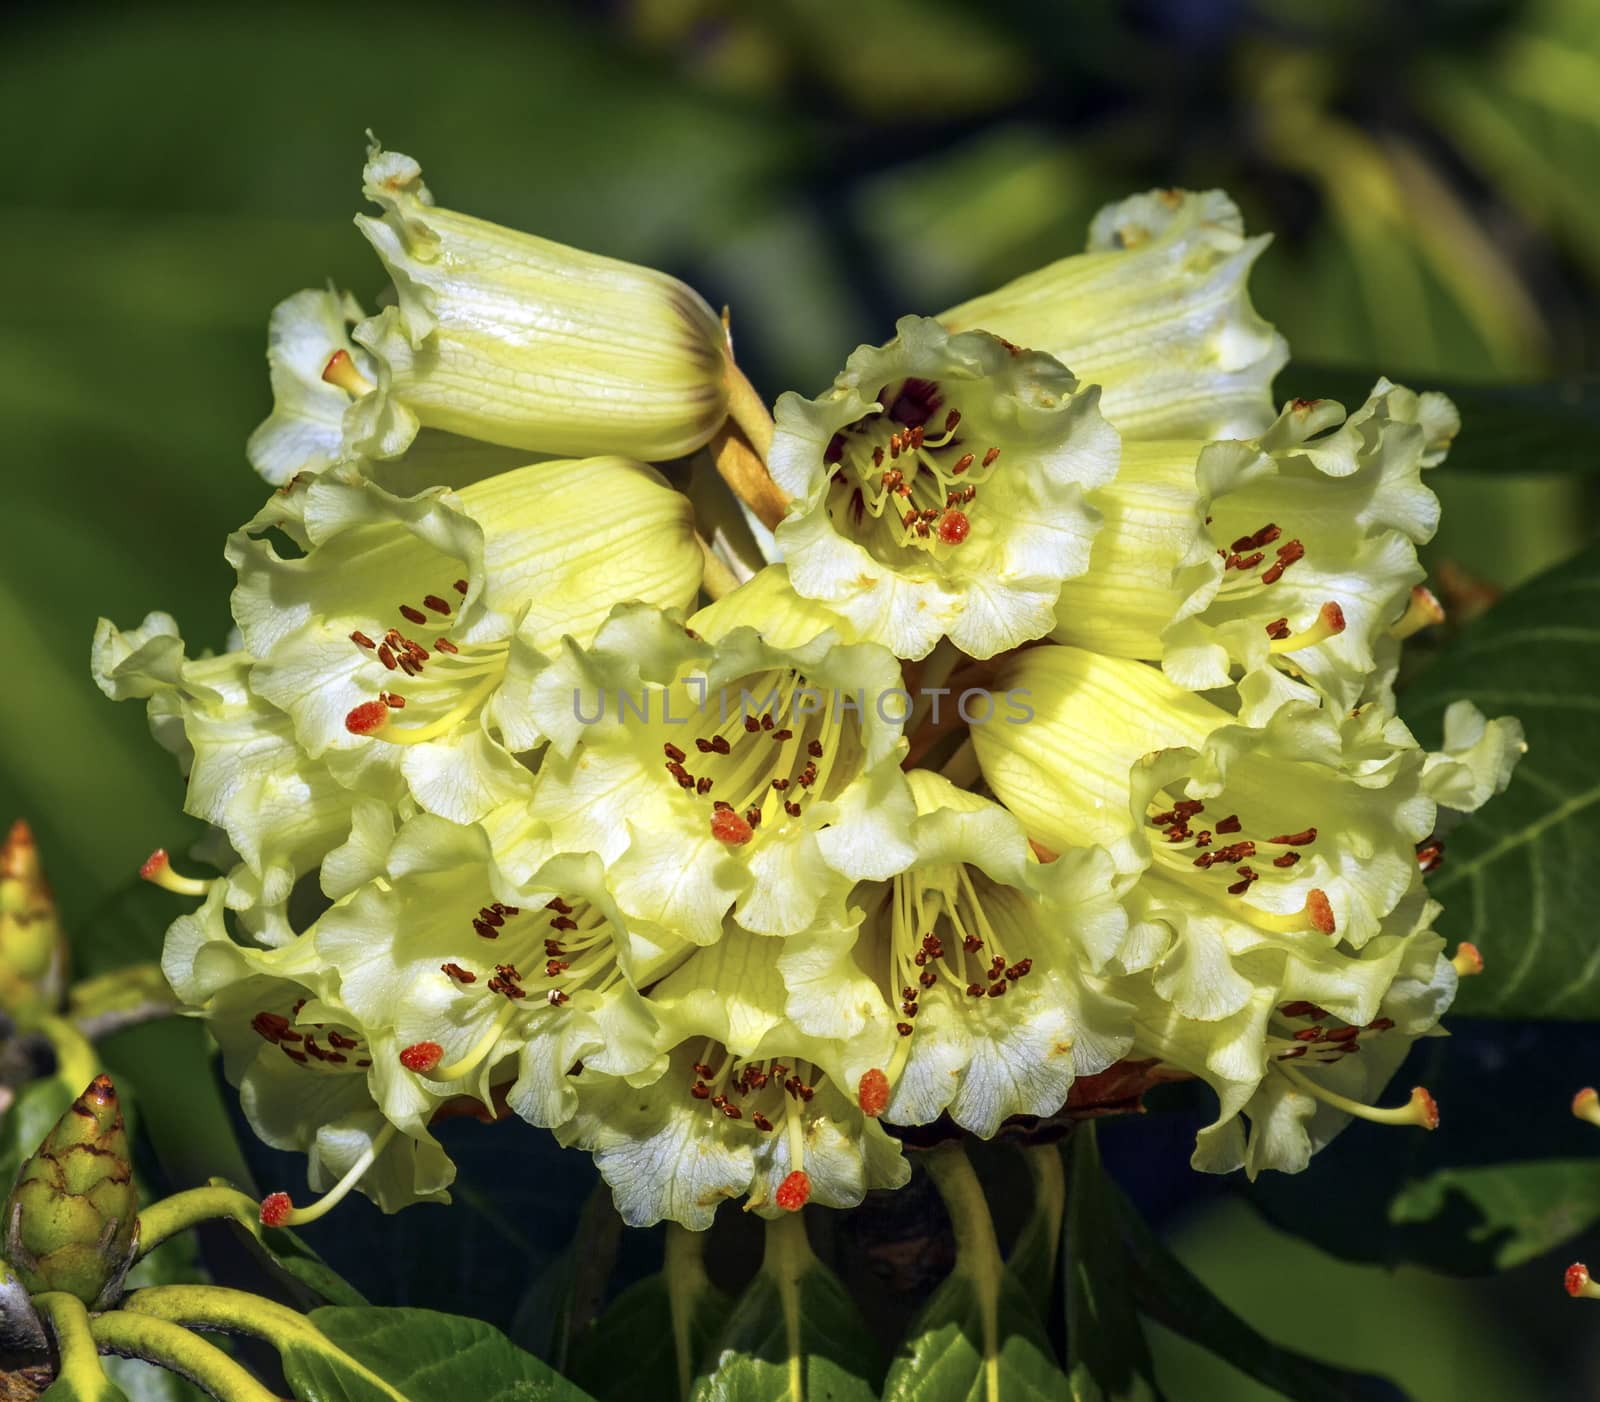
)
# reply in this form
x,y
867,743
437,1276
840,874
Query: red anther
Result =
x,y
954,527
1382,1024
1342,1034
366,718
1319,911
761,1122
1295,839
990,456
412,615
672,752
154,864
272,1026
794,1191
873,1093
360,639
1229,824
791,808
814,749
445,645
974,990
276,1207
459,974
434,602
386,656
393,700
1278,628
927,978
1288,859
779,736
460,586
294,1055
730,829
720,745
1430,856
753,817
1246,562
700,1090
421,1056
903,1028
962,464
1308,1034
998,988
1300,1008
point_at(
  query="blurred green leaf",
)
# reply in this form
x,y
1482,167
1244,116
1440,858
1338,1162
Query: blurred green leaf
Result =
x,y
1037,1249
793,1335
30,1117
630,1350
1169,1293
1517,879
1107,1357
1503,1214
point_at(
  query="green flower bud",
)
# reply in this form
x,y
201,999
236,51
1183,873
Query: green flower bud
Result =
x,y
72,1217
33,950
512,339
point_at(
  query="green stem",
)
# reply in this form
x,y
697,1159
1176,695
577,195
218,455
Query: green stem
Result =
x,y
179,1351
76,1061
181,1211
977,1249
687,1281
788,1257
1049,1194
238,1311
75,1346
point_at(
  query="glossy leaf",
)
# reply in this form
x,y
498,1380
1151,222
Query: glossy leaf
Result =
x,y
793,1336
1107,1356
1518,880
420,1356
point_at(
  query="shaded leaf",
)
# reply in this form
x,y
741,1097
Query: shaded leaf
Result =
x,y
1169,1293
1504,1214
1107,1356
1037,1248
628,1352
1517,879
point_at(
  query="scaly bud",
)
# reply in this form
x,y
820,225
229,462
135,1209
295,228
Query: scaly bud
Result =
x,y
72,1216
33,950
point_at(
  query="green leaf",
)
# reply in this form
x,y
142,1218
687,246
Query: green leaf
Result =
x,y
1509,1213
1517,879
285,1250
420,1356
1107,1356
1171,1295
946,1358
1034,1254
32,1116
794,1335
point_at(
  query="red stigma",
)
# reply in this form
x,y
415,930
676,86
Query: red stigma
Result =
x,y
275,1209
153,863
1577,1279
366,718
873,1093
730,829
1320,911
422,1056
1333,616
794,1191
1427,1105
954,527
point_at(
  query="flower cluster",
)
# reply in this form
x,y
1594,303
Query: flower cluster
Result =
x,y
1058,732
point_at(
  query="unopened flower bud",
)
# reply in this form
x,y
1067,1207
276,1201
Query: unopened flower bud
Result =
x,y
512,339
33,950
71,1219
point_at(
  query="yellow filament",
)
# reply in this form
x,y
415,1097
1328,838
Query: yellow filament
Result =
x,y
1415,1111
396,735
1422,611
300,1216
1330,623
341,371
481,1048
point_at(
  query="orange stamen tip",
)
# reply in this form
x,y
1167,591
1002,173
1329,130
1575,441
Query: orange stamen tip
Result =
x,y
335,366
1425,1107
1586,1105
154,864
954,527
1043,853
366,718
1579,1284
873,1093
1333,617
1319,911
1467,961
422,1056
730,828
794,1191
275,1209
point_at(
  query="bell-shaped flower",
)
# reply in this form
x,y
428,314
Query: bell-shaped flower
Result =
x,y
939,489
725,772
1288,559
402,634
747,1105
487,974
281,810
1157,311
512,339
1294,839
312,1077
964,983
